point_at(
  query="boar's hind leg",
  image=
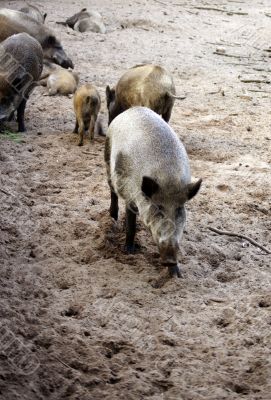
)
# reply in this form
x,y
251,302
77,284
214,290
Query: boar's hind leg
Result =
x,y
130,229
114,206
76,127
92,127
81,132
167,114
20,116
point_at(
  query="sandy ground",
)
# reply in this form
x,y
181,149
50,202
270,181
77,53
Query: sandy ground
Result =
x,y
82,320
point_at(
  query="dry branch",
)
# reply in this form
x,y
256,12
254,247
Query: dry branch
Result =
x,y
7,193
258,90
62,362
229,12
252,241
229,55
160,2
248,80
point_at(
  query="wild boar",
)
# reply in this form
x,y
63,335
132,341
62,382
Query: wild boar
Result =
x,y
34,13
71,21
62,81
148,167
12,22
85,21
90,25
87,104
143,85
21,59
48,69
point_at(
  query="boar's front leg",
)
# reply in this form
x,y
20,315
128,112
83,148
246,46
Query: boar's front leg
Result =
x,y
174,270
114,206
130,229
20,116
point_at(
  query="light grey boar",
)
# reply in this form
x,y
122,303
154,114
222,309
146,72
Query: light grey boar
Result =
x,y
12,22
34,13
21,59
144,85
148,167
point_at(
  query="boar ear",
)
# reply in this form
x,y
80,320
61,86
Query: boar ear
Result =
x,y
44,16
50,41
193,188
149,186
110,95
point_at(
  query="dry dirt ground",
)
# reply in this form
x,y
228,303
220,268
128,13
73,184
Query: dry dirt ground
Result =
x,y
82,320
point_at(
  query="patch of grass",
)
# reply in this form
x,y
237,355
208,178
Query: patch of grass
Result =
x,y
9,135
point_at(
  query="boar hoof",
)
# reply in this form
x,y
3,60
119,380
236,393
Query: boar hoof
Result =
x,y
22,129
174,271
131,248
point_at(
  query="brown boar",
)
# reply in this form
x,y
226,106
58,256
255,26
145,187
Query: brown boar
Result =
x,y
143,85
62,81
87,104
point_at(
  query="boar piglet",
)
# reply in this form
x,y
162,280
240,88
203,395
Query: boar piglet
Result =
x,y
87,104
148,167
21,61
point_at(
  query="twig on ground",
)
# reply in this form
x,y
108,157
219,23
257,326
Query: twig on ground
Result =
x,y
248,80
160,2
252,241
257,90
168,318
58,359
243,64
217,300
229,55
229,12
7,193
87,152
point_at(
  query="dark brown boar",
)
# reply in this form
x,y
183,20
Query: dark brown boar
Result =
x,y
12,22
21,60
34,13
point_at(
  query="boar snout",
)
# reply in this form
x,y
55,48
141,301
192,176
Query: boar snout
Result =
x,y
67,63
168,253
5,112
63,61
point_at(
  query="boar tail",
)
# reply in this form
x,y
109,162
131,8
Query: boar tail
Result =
x,y
61,23
176,97
92,100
